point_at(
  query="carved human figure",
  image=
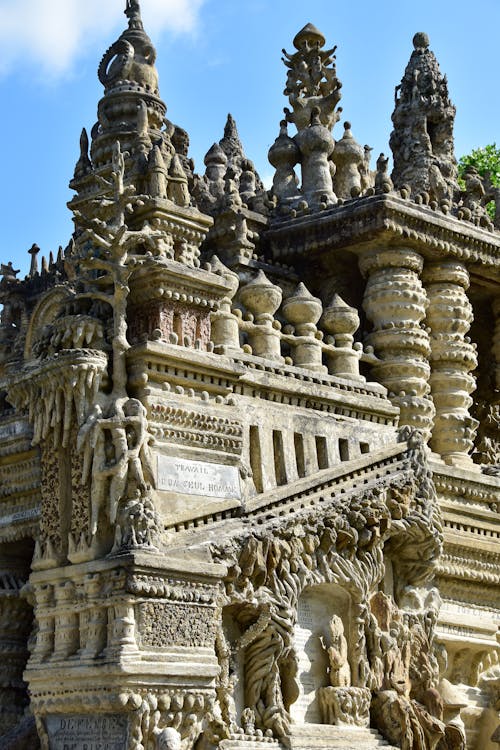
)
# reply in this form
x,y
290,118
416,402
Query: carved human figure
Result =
x,y
120,447
335,645
396,663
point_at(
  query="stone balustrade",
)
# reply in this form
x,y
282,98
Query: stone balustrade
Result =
x,y
258,330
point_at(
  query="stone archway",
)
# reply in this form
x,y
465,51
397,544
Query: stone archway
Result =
x,y
317,607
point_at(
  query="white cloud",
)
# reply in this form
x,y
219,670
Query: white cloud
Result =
x,y
52,34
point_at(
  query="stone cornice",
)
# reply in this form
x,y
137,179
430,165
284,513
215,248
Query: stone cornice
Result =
x,y
138,563
383,220
177,282
467,485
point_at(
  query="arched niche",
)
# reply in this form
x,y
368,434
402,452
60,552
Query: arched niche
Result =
x,y
317,607
45,312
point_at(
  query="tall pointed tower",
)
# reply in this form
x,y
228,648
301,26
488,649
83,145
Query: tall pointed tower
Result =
x,y
423,118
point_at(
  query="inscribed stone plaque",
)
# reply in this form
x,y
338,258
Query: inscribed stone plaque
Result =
x,y
312,661
198,478
97,732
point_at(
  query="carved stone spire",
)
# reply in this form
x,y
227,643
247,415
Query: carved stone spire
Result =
x,y
138,159
423,118
231,143
131,106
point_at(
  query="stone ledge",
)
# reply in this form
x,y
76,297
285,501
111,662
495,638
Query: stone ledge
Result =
x,y
384,220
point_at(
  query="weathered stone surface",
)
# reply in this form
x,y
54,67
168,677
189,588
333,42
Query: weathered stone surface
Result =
x,y
242,500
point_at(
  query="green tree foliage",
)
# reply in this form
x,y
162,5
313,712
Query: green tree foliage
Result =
x,y
487,162
486,159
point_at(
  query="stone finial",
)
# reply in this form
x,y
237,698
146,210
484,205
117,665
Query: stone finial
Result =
x,y
423,118
260,296
157,174
340,319
178,191
311,79
132,57
231,143
215,156
383,182
83,165
316,145
133,13
309,37
365,171
348,157
247,181
284,155
302,309
33,251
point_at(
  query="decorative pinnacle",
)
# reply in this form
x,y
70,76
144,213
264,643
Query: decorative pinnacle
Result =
x,y
421,40
133,13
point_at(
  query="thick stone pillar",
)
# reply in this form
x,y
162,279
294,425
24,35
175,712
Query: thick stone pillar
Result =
x,y
453,357
496,340
395,303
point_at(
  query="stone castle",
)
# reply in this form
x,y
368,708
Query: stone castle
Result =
x,y
249,438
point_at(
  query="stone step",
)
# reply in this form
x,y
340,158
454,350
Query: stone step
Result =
x,y
325,737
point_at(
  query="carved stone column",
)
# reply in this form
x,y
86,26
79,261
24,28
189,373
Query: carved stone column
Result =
x,y
453,358
395,303
496,340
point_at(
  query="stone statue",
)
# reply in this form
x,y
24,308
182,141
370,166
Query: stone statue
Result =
x,y
335,644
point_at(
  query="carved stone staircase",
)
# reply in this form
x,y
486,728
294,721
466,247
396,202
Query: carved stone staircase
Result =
x,y
326,737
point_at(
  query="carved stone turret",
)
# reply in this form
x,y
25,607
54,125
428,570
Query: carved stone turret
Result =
x,y
422,139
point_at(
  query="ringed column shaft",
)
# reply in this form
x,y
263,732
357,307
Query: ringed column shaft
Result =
x,y
496,340
395,303
453,357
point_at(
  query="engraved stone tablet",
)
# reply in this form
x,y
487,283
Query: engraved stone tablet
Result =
x,y
312,660
198,478
96,732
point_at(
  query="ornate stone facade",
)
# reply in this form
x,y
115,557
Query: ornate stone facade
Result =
x,y
249,492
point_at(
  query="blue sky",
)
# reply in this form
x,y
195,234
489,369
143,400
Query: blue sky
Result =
x,y
215,57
